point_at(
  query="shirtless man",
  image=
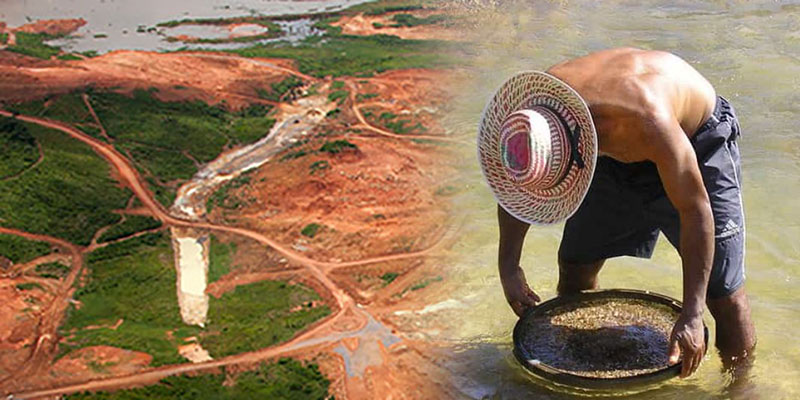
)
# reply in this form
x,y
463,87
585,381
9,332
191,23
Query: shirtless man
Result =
x,y
668,162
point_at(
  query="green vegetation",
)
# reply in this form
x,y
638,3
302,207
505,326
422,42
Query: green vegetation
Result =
x,y
424,283
222,197
219,258
133,280
3,37
409,20
19,148
339,96
28,286
333,113
294,154
286,379
318,166
394,123
310,230
69,195
66,108
446,190
32,44
337,146
20,250
389,277
53,270
336,85
68,57
281,88
365,96
386,6
258,315
131,225
165,139
251,124
334,54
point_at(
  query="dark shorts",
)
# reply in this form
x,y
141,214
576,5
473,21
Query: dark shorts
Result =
x,y
626,207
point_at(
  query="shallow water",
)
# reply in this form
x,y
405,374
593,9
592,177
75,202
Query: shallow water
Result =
x,y
125,22
750,51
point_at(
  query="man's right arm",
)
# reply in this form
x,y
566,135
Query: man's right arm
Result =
x,y
512,235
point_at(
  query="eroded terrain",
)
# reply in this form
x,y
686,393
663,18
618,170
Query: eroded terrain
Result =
x,y
199,212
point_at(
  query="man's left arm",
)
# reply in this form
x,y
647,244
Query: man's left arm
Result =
x,y
670,149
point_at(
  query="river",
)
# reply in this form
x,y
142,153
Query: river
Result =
x,y
750,51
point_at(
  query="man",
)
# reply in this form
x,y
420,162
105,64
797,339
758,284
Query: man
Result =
x,y
668,161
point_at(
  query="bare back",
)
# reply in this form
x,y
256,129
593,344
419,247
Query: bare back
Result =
x,y
626,89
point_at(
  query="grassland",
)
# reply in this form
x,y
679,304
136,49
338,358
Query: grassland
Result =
x,y
131,225
394,122
286,379
335,54
20,250
32,44
69,195
53,270
19,148
133,280
258,315
280,89
165,140
222,197
220,257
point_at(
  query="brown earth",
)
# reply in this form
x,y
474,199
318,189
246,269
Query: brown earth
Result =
x,y
208,77
98,361
52,27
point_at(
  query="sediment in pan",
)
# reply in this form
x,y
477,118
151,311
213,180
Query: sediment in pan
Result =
x,y
605,338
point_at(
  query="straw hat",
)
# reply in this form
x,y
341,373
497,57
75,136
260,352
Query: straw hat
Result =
x,y
537,147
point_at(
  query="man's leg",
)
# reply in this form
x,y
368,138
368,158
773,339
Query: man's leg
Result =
x,y
573,278
736,335
735,340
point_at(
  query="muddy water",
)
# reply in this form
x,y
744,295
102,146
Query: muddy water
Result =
x,y
191,259
125,23
750,51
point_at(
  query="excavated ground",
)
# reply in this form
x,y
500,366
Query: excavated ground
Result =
x,y
385,196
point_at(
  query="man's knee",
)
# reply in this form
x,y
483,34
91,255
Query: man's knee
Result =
x,y
574,277
735,335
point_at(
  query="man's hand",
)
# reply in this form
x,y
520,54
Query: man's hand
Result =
x,y
519,296
688,338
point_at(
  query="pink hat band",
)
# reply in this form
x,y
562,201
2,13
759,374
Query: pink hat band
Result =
x,y
536,148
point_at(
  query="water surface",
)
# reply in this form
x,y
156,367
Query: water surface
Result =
x,y
750,51
126,24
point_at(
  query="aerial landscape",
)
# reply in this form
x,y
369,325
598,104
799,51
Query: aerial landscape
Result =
x,y
244,212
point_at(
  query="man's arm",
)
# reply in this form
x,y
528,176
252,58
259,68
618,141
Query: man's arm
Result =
x,y
674,156
512,235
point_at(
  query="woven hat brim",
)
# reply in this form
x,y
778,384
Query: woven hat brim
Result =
x,y
547,206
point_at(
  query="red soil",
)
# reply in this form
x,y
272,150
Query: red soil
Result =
x,y
177,76
52,27
362,24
